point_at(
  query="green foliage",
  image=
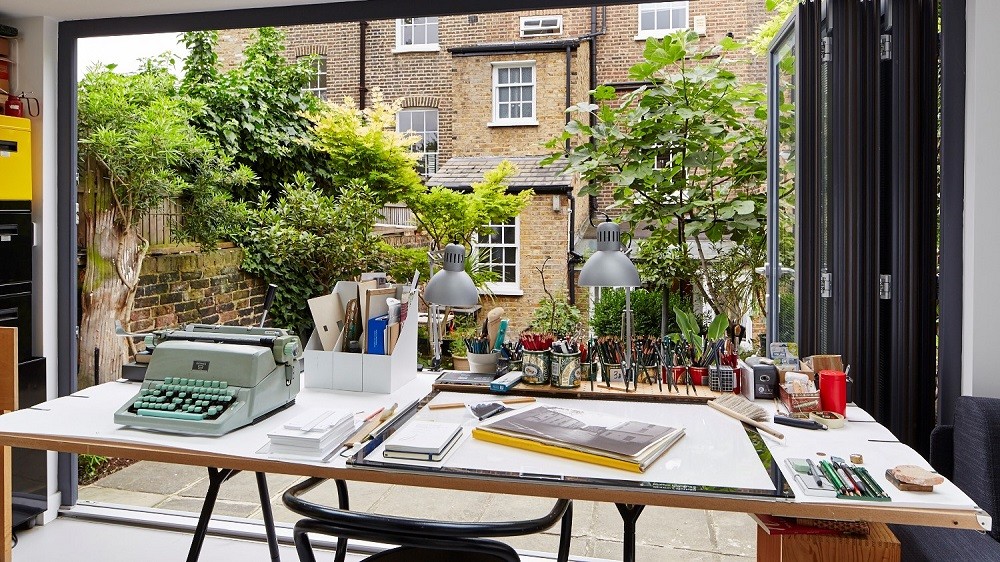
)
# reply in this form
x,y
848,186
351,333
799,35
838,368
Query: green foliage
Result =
x,y
780,10
685,153
256,112
136,130
646,312
89,466
690,332
362,144
400,263
565,320
446,215
306,241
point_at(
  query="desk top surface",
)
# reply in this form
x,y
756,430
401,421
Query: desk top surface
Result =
x,y
715,452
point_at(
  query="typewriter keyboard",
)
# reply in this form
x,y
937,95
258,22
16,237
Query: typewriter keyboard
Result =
x,y
183,399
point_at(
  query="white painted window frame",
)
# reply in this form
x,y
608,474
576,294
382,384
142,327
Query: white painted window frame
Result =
x,y
558,30
437,133
644,34
416,48
517,121
319,76
508,288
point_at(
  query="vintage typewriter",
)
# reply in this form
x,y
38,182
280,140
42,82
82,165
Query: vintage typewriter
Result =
x,y
209,380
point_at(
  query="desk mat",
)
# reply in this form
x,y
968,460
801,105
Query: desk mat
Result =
x,y
769,482
644,393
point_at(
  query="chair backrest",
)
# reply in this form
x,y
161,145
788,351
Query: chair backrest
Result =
x,y
977,453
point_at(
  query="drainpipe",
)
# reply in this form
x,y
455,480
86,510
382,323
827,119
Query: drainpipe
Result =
x,y
571,261
362,87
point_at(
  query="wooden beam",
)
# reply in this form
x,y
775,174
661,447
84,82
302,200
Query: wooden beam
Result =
x,y
8,403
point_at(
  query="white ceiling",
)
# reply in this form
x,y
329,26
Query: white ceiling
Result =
x,y
92,9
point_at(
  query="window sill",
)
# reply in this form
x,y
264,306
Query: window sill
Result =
x,y
504,290
432,48
657,34
514,123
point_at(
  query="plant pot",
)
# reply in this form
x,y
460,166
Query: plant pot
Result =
x,y
483,362
699,375
460,363
678,372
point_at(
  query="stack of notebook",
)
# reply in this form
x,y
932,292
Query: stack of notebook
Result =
x,y
586,436
422,441
312,435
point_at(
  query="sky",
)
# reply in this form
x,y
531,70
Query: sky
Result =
x,y
127,50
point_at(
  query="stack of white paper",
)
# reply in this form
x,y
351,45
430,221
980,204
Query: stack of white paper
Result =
x,y
312,435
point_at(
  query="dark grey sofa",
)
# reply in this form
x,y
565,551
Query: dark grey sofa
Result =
x,y
968,453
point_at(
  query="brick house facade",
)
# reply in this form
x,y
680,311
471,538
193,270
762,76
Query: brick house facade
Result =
x,y
457,85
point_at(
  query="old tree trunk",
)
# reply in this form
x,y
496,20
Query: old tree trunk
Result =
x,y
114,253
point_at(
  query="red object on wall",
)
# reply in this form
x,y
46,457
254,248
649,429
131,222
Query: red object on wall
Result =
x,y
14,107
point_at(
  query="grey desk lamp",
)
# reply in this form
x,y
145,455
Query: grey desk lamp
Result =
x,y
610,267
451,286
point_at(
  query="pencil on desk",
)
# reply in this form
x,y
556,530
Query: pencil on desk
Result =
x,y
515,400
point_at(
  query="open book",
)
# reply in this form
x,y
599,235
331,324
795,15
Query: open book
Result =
x,y
586,436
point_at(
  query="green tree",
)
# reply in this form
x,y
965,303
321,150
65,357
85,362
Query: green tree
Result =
x,y
305,241
137,147
684,153
257,112
780,10
363,145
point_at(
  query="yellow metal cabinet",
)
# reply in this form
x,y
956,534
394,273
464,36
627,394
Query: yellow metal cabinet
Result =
x,y
15,159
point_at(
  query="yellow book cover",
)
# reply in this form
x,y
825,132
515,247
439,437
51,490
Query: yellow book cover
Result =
x,y
530,445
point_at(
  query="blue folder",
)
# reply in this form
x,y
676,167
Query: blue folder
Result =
x,y
376,334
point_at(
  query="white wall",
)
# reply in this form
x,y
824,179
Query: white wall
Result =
x,y
981,308
36,76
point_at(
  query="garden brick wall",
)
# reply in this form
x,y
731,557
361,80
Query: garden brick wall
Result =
x,y
177,289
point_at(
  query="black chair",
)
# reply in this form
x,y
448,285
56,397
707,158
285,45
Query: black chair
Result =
x,y
418,540
968,453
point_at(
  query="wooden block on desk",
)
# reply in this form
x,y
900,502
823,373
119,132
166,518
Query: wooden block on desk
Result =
x,y
879,546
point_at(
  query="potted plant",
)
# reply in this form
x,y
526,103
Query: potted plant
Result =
x,y
693,348
459,355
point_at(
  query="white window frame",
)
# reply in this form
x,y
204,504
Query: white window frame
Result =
x,y
437,135
543,32
516,121
659,33
318,77
505,288
420,47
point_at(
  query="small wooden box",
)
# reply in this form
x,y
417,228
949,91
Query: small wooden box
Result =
x,y
802,402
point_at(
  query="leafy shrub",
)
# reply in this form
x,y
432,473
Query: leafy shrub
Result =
x,y
646,312
565,321
305,242
88,466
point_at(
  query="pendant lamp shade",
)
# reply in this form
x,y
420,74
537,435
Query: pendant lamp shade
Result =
x,y
452,286
609,266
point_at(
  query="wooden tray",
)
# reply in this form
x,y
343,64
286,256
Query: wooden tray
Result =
x,y
645,392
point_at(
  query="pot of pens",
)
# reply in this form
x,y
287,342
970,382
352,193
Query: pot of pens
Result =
x,y
482,358
565,363
610,351
536,356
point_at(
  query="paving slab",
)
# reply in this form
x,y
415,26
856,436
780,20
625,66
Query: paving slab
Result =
x,y
154,477
242,487
675,528
650,553
734,533
222,507
123,497
430,503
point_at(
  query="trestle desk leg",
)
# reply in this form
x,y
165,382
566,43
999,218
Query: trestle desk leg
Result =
x,y
265,508
215,479
630,514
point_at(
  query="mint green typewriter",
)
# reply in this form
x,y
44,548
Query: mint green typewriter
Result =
x,y
210,380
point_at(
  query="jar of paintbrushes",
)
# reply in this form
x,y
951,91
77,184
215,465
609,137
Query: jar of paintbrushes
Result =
x,y
536,356
565,364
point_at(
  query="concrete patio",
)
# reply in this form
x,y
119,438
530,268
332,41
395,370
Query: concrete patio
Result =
x,y
663,533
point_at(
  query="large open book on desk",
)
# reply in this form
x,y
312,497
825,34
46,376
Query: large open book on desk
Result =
x,y
587,436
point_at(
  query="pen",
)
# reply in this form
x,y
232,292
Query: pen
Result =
x,y
831,474
860,482
814,473
847,479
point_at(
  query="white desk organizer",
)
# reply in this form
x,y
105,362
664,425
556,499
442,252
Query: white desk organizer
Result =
x,y
363,372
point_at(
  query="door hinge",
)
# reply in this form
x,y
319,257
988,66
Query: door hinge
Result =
x,y
826,49
826,285
885,287
885,47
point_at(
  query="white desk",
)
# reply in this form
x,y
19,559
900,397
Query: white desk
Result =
x,y
82,423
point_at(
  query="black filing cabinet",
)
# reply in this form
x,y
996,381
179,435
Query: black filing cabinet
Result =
x,y
16,241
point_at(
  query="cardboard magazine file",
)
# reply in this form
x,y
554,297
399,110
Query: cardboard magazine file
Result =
x,y
386,373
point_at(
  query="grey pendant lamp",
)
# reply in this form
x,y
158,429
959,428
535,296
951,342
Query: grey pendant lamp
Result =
x,y
452,286
609,266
